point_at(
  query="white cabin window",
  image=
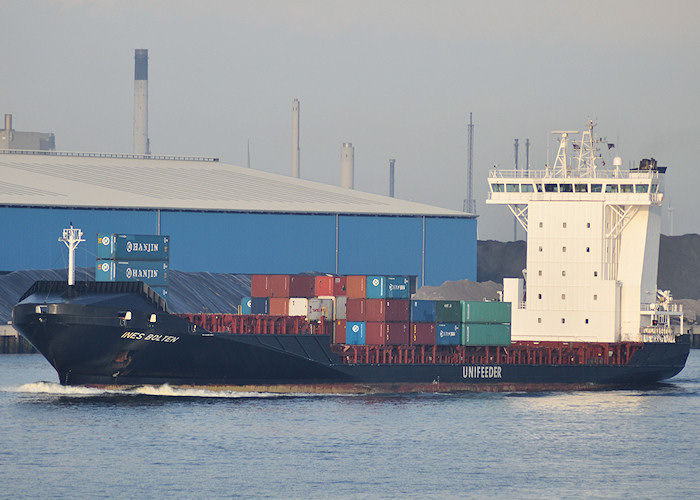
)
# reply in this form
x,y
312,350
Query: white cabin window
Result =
x,y
611,188
581,188
596,188
563,249
512,188
588,249
541,225
641,188
595,296
586,320
563,273
539,320
539,272
539,295
563,296
625,188
588,224
540,249
527,188
497,188
563,320
563,224
595,274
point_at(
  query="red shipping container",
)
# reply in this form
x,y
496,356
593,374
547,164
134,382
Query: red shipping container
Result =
x,y
339,286
356,286
279,285
260,285
375,333
388,310
422,334
397,333
301,285
339,332
279,306
375,310
356,309
323,285
398,310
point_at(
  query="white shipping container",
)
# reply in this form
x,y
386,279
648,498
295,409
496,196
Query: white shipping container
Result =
x,y
298,307
320,308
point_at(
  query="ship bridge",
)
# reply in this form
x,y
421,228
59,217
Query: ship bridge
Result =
x,y
592,246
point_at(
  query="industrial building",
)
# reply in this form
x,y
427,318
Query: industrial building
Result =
x,y
15,139
222,218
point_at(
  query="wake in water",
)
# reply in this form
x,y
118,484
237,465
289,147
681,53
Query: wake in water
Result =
x,y
52,388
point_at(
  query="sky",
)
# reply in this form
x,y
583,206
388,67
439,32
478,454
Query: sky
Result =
x,y
396,78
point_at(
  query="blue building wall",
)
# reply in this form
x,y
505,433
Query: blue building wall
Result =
x,y
254,242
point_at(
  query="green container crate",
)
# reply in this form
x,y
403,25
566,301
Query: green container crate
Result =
x,y
485,312
485,334
448,311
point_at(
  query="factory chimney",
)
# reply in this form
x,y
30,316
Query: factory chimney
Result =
x,y
392,163
8,122
295,139
141,141
347,166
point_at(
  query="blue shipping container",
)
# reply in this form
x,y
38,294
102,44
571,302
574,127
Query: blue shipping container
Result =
x,y
133,246
245,305
259,305
448,333
376,287
355,332
423,311
154,273
398,287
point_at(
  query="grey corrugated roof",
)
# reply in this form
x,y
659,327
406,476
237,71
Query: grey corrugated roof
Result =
x,y
128,181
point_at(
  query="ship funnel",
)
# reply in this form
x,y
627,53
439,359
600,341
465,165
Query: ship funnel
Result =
x,y
8,122
347,166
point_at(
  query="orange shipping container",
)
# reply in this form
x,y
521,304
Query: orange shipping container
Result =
x,y
279,306
356,286
324,285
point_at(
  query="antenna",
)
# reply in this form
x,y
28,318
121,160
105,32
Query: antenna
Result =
x,y
515,219
72,238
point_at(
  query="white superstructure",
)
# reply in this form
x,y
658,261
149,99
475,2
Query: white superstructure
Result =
x,y
592,248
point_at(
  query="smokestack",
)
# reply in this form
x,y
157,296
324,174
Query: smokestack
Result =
x,y
392,162
295,139
8,122
141,142
347,166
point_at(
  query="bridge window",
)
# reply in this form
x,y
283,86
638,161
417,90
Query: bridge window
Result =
x,y
596,188
527,188
497,188
539,187
611,188
641,188
550,188
626,188
566,188
512,188
581,188
654,188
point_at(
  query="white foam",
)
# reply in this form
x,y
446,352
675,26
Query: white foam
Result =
x,y
165,390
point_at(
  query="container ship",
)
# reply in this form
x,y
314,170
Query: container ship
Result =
x,y
585,314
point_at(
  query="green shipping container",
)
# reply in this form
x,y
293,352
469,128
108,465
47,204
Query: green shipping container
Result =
x,y
485,312
485,334
448,311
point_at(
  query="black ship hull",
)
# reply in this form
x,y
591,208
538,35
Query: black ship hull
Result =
x,y
112,334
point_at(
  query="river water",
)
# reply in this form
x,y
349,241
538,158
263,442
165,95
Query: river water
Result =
x,y
82,443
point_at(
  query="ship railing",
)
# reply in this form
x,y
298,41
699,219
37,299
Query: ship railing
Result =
x,y
549,173
661,334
